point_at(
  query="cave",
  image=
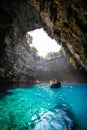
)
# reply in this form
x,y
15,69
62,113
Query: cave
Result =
x,y
39,106
65,21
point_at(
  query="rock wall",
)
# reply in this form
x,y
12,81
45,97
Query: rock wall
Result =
x,y
16,61
67,23
61,69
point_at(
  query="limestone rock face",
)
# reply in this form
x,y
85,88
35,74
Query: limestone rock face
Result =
x,y
64,20
17,64
67,22
16,61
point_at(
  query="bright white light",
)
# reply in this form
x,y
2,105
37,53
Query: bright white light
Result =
x,y
43,42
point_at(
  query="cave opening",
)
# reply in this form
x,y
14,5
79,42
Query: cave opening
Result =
x,y
43,43
51,59
23,103
45,51
19,17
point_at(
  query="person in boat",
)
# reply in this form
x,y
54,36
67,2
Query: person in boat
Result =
x,y
51,82
58,82
55,84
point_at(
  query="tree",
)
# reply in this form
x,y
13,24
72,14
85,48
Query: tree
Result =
x,y
34,52
51,55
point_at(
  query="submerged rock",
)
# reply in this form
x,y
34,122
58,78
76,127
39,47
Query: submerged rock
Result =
x,y
60,118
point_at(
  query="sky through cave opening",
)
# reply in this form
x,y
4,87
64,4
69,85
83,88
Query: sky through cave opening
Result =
x,y
43,43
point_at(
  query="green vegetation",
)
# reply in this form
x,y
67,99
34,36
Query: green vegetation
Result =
x,y
35,53
73,62
51,55
17,46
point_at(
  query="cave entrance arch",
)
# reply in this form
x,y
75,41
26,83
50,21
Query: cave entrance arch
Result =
x,y
19,17
47,53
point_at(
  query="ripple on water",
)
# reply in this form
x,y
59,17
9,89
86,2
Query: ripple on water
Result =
x,y
41,108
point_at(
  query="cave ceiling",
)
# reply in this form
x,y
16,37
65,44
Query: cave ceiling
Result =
x,y
65,21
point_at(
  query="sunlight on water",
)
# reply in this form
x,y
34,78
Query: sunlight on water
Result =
x,y
43,108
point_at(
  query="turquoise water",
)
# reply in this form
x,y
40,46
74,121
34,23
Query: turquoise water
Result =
x,y
44,108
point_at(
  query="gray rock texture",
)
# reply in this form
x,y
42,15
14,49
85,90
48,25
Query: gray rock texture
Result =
x,y
16,61
66,21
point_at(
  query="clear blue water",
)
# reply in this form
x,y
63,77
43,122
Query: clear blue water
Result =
x,y
44,108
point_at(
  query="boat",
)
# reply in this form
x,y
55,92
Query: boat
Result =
x,y
55,85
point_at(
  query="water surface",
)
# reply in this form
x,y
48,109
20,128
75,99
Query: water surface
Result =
x,y
43,108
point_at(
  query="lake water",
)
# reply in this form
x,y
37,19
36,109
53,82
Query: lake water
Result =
x,y
44,108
